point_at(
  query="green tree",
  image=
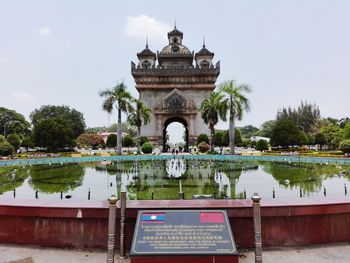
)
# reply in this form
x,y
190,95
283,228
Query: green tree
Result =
x,y
53,134
141,114
262,145
346,134
303,140
266,129
248,131
237,103
13,122
128,141
307,116
14,140
345,146
202,138
285,133
120,98
6,149
333,135
27,142
2,139
87,140
213,108
111,141
343,122
320,139
73,118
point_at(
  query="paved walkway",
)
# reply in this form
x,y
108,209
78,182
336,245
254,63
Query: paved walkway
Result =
x,y
339,253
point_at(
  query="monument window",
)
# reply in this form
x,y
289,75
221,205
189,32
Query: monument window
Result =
x,y
146,64
205,64
175,49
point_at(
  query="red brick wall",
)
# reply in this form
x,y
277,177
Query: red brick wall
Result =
x,y
55,223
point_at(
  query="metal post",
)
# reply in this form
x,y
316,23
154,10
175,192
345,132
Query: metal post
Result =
x,y
257,227
181,193
111,228
122,223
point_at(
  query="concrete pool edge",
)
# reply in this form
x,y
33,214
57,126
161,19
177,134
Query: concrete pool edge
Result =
x,y
61,160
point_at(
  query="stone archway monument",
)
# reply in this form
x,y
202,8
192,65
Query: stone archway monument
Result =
x,y
173,87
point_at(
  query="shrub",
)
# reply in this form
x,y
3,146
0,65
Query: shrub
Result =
x,y
90,140
147,147
203,147
14,140
202,138
127,141
345,146
6,149
111,141
262,145
2,139
143,140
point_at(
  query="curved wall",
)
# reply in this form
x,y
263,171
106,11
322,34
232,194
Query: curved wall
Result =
x,y
84,224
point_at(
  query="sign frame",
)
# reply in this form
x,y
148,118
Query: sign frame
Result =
x,y
233,252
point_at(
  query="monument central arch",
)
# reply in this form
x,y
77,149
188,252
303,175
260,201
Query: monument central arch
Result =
x,y
171,120
174,87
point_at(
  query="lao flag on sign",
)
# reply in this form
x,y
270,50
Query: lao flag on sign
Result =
x,y
153,217
212,217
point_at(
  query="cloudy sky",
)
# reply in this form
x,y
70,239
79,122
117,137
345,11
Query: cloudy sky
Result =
x,y
64,52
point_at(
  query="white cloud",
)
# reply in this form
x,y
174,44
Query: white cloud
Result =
x,y
22,97
3,60
45,31
143,25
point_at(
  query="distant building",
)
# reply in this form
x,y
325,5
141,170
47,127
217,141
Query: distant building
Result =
x,y
258,138
105,135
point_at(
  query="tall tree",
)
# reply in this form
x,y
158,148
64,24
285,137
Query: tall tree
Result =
x,y
286,133
13,122
248,131
73,118
266,129
141,114
212,109
307,116
120,98
237,103
54,134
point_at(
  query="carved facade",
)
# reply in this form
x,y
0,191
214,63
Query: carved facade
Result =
x,y
173,87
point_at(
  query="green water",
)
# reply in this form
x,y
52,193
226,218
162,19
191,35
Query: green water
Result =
x,y
161,179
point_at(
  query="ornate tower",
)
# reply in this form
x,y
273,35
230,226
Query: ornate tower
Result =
x,y
174,88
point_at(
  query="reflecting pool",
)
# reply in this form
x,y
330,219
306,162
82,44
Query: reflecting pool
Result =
x,y
161,179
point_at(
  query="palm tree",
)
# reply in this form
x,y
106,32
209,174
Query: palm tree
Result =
x,y
119,97
212,109
141,113
237,103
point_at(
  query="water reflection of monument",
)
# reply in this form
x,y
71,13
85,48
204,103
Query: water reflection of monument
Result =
x,y
175,168
223,184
